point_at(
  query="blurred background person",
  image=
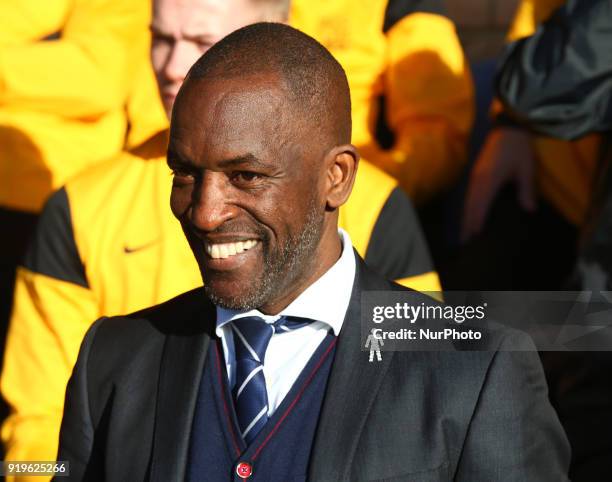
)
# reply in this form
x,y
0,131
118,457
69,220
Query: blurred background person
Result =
x,y
87,261
66,70
527,196
558,83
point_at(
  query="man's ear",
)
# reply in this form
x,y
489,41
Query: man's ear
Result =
x,y
341,162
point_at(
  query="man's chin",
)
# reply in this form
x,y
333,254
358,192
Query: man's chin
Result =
x,y
245,298
234,283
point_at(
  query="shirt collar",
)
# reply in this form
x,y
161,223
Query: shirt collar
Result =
x,y
325,300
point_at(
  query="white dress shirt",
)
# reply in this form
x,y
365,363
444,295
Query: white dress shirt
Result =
x,y
326,301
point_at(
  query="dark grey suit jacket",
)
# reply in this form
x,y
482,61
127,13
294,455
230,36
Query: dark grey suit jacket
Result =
x,y
416,416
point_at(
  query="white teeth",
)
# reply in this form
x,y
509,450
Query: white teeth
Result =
x,y
223,251
226,250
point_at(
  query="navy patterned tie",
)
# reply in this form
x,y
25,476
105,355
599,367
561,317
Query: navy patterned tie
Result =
x,y
251,338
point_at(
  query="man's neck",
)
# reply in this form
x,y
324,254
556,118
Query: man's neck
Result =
x,y
328,253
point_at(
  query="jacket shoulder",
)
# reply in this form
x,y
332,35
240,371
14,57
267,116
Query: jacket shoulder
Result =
x,y
187,313
120,347
110,175
371,280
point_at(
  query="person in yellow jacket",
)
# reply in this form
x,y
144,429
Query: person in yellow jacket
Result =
x,y
107,242
411,88
66,70
552,179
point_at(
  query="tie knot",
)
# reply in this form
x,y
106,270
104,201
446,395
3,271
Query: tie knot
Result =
x,y
290,323
253,334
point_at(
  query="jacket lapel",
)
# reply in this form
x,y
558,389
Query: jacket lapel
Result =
x,y
180,372
352,387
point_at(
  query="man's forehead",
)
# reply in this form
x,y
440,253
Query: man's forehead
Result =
x,y
192,17
193,6
234,114
239,98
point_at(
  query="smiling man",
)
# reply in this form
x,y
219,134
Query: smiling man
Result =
x,y
87,260
260,374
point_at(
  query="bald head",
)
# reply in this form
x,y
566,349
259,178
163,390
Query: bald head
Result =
x,y
313,80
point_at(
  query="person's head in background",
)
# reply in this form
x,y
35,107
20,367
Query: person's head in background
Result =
x,y
184,29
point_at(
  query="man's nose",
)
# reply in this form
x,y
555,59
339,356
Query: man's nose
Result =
x,y
178,65
212,203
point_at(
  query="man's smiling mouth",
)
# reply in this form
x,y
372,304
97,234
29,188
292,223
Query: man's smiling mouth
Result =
x,y
226,250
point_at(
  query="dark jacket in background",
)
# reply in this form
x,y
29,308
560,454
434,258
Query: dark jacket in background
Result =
x,y
558,82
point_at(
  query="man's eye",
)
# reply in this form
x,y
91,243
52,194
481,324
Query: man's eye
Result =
x,y
244,177
158,40
177,172
181,176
